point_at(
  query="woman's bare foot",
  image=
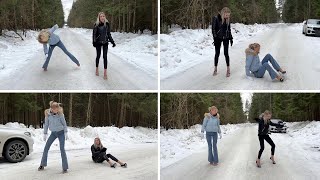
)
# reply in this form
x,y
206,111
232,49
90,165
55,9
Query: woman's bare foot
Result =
x,y
215,164
228,71
97,72
215,72
280,78
282,71
45,69
272,159
105,74
258,163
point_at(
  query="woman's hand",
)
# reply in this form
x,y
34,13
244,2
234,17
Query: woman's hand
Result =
x,y
220,135
45,137
113,44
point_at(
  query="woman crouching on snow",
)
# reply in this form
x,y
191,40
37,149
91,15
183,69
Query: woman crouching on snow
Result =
x,y
100,38
48,37
255,68
99,154
263,130
211,124
55,121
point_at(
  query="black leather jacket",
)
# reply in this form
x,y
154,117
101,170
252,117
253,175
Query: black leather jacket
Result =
x,y
263,128
101,34
219,30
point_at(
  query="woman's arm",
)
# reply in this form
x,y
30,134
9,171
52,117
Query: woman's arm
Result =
x,y
214,24
204,124
109,34
64,123
249,60
55,27
94,34
94,151
219,130
46,125
45,49
230,34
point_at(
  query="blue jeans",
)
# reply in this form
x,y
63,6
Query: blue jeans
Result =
x,y
54,135
64,49
212,138
266,67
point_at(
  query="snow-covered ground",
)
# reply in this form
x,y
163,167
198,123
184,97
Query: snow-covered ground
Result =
x,y
297,154
187,59
176,144
140,50
181,49
137,147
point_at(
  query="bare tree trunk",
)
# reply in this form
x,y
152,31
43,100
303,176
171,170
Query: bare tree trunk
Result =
x,y
70,109
89,110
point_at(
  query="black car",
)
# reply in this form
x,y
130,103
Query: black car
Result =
x,y
279,127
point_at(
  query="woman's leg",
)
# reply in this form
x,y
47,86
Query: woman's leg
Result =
x,y
217,46
266,67
50,140
45,65
105,60
273,146
209,141
261,140
61,137
98,50
64,49
215,149
269,58
226,51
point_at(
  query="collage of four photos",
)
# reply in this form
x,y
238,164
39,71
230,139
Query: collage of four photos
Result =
x,y
160,89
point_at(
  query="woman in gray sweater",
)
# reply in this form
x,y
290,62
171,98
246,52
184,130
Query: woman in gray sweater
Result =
x,y
211,124
55,121
48,37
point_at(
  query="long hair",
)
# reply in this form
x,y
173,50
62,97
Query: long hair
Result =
x,y
223,12
254,45
97,145
54,104
209,109
98,19
43,36
266,112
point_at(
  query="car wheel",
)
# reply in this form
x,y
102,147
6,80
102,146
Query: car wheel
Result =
x,y
16,151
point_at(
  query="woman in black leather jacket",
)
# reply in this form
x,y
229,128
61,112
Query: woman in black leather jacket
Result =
x,y
221,32
100,38
263,131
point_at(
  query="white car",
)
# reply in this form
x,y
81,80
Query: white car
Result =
x,y
15,144
311,27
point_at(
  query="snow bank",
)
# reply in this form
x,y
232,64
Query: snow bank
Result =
x,y
80,138
16,53
176,144
183,48
141,50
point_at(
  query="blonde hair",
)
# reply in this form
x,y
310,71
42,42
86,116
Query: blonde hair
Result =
x,y
223,12
43,36
254,45
209,109
266,112
98,19
54,104
96,145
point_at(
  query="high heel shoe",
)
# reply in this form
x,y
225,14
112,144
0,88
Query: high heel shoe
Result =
x,y
258,165
273,162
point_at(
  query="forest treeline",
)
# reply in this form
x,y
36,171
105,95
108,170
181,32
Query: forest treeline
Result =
x,y
123,15
286,106
296,11
30,14
182,110
82,109
198,13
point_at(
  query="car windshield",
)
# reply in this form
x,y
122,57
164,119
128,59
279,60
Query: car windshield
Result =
x,y
313,21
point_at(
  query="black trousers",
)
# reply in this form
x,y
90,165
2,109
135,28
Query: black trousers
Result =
x,y
105,52
269,140
217,45
105,157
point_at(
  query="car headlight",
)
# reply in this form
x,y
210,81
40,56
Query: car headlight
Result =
x,y
28,134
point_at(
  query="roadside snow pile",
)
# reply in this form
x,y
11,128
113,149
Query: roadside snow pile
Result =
x,y
83,138
176,144
141,50
15,52
183,48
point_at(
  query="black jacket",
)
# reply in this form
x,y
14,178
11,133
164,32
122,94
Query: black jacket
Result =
x,y
98,154
219,30
101,34
263,128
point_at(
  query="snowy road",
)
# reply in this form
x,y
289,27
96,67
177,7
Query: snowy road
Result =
x,y
237,155
63,74
142,164
295,52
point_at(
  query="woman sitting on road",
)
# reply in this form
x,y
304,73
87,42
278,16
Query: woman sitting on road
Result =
x,y
255,68
211,124
99,154
263,130
48,37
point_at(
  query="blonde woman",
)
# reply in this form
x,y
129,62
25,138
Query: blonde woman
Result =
x,y
101,37
263,130
221,32
99,154
255,68
211,124
55,121
48,37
